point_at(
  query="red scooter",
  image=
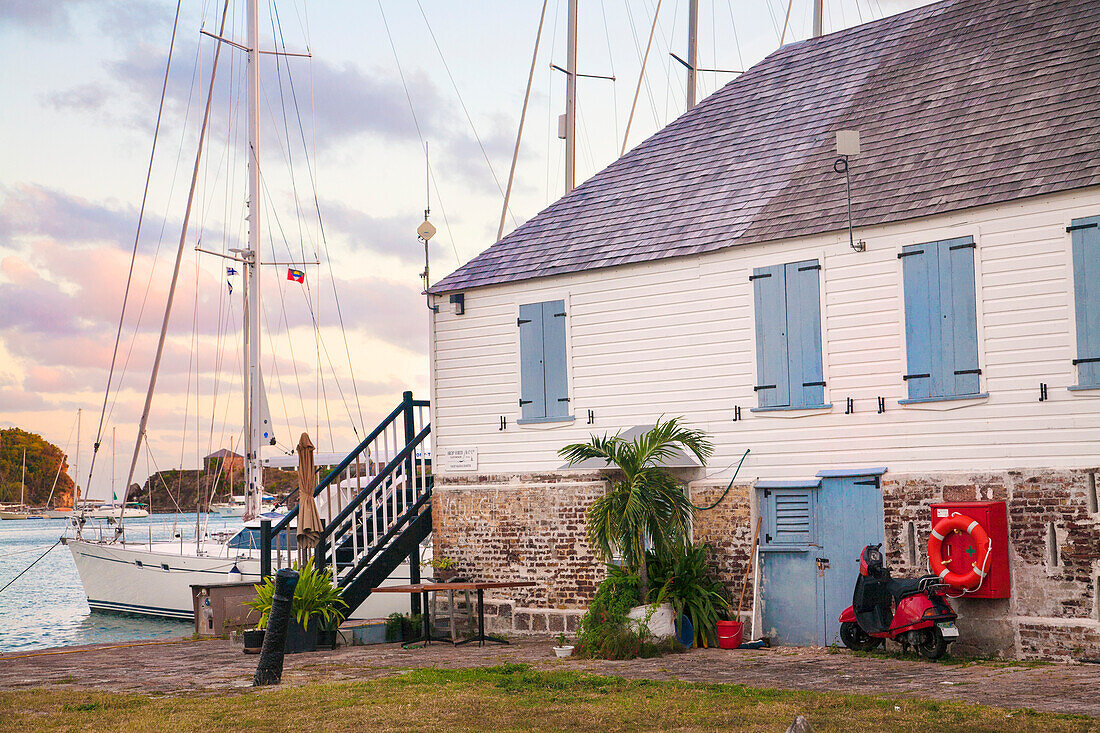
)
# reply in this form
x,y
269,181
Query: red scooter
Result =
x,y
921,615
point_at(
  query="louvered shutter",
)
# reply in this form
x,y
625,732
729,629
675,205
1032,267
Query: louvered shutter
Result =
x,y
554,352
772,375
1086,296
803,299
922,308
959,316
789,516
532,390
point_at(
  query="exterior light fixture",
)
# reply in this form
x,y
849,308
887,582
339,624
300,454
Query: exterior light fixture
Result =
x,y
847,146
458,303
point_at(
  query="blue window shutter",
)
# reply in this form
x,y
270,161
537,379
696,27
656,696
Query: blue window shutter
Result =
x,y
772,375
922,315
532,388
803,300
789,516
553,340
960,333
1086,297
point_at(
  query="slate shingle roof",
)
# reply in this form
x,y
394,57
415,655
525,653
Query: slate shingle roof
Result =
x,y
959,104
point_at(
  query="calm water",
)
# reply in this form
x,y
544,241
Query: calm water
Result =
x,y
46,607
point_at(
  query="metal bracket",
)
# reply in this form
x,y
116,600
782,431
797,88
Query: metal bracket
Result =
x,y
910,253
851,406
1075,227
1042,391
759,387
521,321
591,417
907,377
503,423
1091,360
759,277
736,413
881,405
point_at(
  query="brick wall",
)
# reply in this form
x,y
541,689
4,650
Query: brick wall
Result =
x,y
531,527
1049,587
524,528
727,528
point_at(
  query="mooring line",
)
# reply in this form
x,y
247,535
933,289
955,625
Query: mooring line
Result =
x,y
47,552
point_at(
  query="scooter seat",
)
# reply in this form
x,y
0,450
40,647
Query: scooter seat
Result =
x,y
902,587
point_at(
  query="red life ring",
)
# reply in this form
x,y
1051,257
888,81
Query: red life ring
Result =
x,y
959,523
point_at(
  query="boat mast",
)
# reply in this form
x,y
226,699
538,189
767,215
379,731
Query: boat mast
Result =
x,y
22,477
252,467
693,51
144,422
571,100
76,463
818,12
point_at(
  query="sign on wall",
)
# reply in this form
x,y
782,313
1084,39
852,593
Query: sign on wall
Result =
x,y
460,459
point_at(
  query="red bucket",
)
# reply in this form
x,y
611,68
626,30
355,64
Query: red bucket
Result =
x,y
730,634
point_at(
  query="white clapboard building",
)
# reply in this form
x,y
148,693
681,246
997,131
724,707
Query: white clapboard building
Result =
x,y
948,351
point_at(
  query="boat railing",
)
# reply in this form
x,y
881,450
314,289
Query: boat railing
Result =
x,y
403,434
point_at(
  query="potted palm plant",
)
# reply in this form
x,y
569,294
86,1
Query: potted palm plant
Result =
x,y
645,501
317,605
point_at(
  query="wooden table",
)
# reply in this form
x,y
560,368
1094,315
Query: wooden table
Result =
x,y
425,588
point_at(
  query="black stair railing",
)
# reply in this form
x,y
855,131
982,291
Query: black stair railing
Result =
x,y
352,526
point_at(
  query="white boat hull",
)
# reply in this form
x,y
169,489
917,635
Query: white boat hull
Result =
x,y
132,578
227,510
128,513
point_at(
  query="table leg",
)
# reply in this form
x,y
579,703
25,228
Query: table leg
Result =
x,y
480,617
427,617
451,608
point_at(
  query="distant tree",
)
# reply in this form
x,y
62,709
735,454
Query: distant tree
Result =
x,y
43,460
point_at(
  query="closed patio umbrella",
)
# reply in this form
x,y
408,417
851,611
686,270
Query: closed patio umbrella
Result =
x,y
309,522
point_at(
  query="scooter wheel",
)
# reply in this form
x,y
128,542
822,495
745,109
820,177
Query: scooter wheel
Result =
x,y
856,638
932,645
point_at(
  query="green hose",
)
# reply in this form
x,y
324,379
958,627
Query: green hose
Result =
x,y
730,486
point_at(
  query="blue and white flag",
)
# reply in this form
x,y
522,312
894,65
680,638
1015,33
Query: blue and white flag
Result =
x,y
230,286
230,271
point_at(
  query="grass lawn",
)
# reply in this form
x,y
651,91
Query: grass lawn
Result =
x,y
511,697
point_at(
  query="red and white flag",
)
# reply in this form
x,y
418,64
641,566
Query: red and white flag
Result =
x,y
297,276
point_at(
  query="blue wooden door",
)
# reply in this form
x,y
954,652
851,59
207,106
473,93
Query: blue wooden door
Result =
x,y
789,594
812,533
849,518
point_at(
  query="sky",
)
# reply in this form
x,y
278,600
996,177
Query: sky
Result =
x,y
345,184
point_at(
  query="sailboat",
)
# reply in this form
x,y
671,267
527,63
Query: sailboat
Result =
x,y
21,511
155,578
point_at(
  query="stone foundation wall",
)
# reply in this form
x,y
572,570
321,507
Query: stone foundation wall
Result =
x,y
1054,557
531,527
727,528
520,528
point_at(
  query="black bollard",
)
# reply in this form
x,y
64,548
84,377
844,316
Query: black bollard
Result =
x,y
270,669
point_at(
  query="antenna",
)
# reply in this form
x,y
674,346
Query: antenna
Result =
x,y
847,145
427,230
818,11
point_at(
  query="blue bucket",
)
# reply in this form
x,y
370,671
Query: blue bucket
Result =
x,y
686,633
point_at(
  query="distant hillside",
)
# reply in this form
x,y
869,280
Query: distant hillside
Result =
x,y
176,490
43,460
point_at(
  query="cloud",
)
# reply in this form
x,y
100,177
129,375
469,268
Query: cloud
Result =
x,y
386,235
119,18
30,209
36,14
83,98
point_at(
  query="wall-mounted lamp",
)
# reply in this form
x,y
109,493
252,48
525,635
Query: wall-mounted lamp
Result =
x,y
847,146
458,303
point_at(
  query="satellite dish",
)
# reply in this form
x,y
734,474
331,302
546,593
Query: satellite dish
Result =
x,y
426,230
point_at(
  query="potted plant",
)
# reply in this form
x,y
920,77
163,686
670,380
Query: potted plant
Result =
x,y
317,604
563,650
444,569
693,591
644,501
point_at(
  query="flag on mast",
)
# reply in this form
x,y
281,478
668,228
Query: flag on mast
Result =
x,y
297,276
230,286
230,271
